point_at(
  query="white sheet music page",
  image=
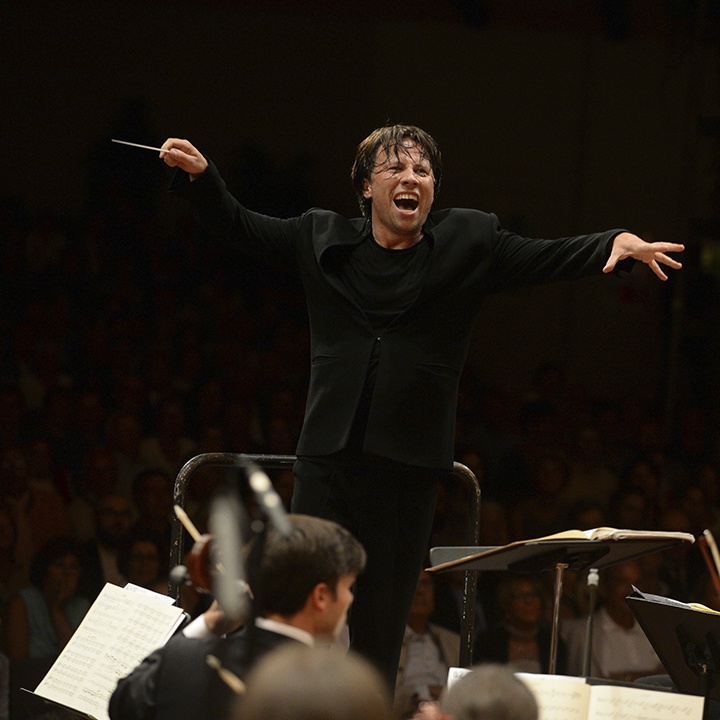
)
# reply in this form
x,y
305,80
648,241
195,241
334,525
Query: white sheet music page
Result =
x,y
615,702
120,629
559,697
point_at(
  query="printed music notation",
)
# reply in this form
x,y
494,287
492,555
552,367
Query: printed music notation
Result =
x,y
561,697
569,698
614,704
119,630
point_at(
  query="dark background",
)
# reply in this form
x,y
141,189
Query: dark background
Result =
x,y
562,117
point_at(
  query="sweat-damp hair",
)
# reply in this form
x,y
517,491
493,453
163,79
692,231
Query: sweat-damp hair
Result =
x,y
390,138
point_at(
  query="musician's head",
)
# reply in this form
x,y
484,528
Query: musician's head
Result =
x,y
489,692
307,575
297,682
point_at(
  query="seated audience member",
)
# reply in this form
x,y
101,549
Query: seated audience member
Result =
x,y
449,599
427,652
540,512
521,637
488,692
4,687
124,436
619,649
13,573
38,511
644,475
152,496
98,477
682,565
295,682
301,588
705,593
113,517
590,480
586,515
168,448
41,618
629,509
141,562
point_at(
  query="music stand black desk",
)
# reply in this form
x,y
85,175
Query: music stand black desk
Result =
x,y
687,641
540,555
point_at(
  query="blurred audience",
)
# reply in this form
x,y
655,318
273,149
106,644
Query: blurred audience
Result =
x,y
152,495
141,560
124,355
521,636
540,512
38,511
14,574
124,437
428,651
168,447
589,477
113,518
42,617
619,648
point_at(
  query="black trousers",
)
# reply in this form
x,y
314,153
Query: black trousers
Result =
x,y
390,511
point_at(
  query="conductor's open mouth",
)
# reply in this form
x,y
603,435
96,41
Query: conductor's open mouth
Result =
x,y
406,202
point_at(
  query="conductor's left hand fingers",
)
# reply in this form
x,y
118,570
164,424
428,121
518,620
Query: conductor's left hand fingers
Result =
x,y
666,260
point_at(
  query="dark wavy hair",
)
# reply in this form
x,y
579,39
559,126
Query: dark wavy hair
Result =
x,y
282,571
390,138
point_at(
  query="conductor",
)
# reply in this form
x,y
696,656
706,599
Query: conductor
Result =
x,y
392,298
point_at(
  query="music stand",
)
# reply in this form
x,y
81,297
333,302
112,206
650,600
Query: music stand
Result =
x,y
43,702
686,640
557,555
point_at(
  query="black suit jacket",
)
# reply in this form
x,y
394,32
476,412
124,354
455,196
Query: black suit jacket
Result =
x,y
422,353
176,683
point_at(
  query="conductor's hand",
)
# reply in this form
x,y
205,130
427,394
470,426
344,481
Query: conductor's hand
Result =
x,y
184,155
627,245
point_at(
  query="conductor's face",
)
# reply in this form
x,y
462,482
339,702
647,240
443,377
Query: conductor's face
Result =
x,y
401,189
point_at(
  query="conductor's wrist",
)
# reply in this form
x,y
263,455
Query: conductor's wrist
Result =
x,y
201,167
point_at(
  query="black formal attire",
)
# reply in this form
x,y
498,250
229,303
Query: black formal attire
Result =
x,y
390,332
176,683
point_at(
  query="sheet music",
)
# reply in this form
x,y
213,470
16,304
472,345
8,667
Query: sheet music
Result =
x,y
120,629
559,697
562,697
455,673
660,599
146,591
614,702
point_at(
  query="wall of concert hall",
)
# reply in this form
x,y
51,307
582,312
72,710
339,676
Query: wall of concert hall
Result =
x,y
556,125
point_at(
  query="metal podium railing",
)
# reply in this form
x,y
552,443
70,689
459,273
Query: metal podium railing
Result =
x,y
472,532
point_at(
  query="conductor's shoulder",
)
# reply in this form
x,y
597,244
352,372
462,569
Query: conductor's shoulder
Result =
x,y
321,219
460,218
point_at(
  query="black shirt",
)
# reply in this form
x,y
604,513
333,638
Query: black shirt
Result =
x,y
384,283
